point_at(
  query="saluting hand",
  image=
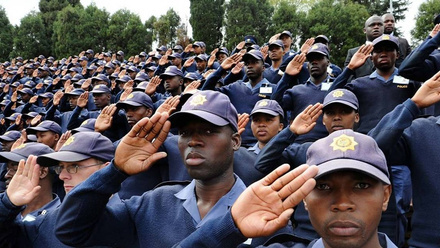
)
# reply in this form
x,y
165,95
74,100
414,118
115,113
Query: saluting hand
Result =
x,y
306,120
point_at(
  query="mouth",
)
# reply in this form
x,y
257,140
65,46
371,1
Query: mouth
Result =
x,y
261,132
337,127
68,188
344,228
194,159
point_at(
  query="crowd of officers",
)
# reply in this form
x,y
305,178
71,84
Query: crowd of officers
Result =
x,y
152,151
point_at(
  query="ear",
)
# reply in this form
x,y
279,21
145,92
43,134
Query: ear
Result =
x,y
386,196
149,112
236,140
280,127
305,204
181,81
356,118
57,137
44,171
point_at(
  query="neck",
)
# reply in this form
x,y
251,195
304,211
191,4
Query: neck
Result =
x,y
42,199
372,242
386,74
255,81
261,145
209,192
319,79
276,64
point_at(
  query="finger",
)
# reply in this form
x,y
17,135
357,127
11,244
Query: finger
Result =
x,y
287,178
146,129
20,169
162,135
112,109
295,198
271,177
315,109
294,186
26,168
157,127
137,127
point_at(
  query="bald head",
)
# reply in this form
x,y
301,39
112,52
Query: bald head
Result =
x,y
389,23
373,27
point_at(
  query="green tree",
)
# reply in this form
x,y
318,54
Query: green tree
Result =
x,y
149,26
92,28
6,32
287,17
206,20
247,17
67,31
341,22
126,32
380,7
166,27
182,36
30,37
424,20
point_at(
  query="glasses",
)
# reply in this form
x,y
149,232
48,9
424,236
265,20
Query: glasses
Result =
x,y
72,169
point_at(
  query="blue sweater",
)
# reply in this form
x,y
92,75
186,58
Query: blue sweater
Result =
x,y
415,143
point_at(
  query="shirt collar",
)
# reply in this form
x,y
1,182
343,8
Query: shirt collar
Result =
x,y
263,81
376,75
255,148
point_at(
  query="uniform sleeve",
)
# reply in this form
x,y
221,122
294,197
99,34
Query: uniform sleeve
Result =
x,y
213,79
342,80
85,219
280,89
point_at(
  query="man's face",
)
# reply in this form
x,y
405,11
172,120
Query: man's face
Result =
x,y
176,61
72,101
197,50
345,208
71,180
120,57
221,57
135,114
201,65
206,149
389,23
276,53
287,41
29,71
48,138
265,126
384,56
12,168
317,64
337,116
101,100
109,70
373,28
132,74
172,83
25,97
254,68
45,101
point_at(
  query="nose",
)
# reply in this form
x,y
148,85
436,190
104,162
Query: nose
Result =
x,y
194,140
64,175
342,201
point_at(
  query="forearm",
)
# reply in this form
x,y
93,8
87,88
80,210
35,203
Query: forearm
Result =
x,y
342,79
213,79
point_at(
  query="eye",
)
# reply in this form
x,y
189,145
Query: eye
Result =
x,y
182,133
362,185
322,186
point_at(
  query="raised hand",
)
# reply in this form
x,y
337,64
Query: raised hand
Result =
x,y
307,45
20,141
429,93
104,120
229,62
24,187
274,37
163,60
85,86
39,86
265,51
188,62
296,64
192,86
169,105
64,137
122,73
83,99
57,97
211,59
435,30
33,99
189,48
152,85
243,120
6,88
128,84
35,73
36,120
306,120
360,56
169,51
18,120
137,151
240,45
237,68
125,94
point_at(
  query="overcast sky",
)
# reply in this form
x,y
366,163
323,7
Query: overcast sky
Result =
x,y
17,9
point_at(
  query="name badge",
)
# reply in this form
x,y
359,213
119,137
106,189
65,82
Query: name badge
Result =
x,y
265,90
400,80
325,86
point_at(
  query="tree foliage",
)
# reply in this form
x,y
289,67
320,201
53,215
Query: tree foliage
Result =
x,y
166,27
380,7
6,35
150,37
247,17
341,22
67,31
206,20
29,38
93,25
424,20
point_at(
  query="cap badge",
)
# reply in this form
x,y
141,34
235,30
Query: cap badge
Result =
x,y
20,146
84,123
338,93
130,96
315,47
343,143
69,141
198,100
386,37
262,104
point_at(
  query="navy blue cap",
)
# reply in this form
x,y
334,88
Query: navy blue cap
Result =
x,y
123,79
250,39
201,57
90,51
30,114
132,68
66,77
92,67
101,88
121,53
101,77
141,86
270,107
388,39
318,48
191,76
43,68
136,99
342,96
26,91
321,39
278,43
348,150
171,71
253,54
143,54
177,47
45,126
5,102
41,56
151,68
24,150
110,65
86,126
83,58
77,77
286,32
141,76
46,95
75,92
199,44
212,106
10,136
157,56
75,69
12,117
81,146
15,84
161,49
254,46
30,84
223,50
175,55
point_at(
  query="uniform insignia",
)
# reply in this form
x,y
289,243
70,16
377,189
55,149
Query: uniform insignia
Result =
x,y
262,104
198,100
261,95
130,96
343,143
402,86
248,41
69,141
20,146
84,122
338,93
385,37
315,47
7,132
